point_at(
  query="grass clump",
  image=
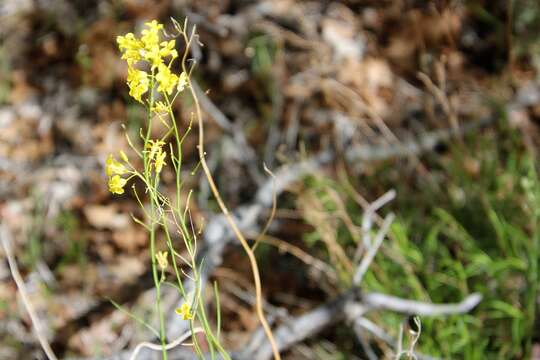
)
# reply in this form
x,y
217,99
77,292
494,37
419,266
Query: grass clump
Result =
x,y
470,226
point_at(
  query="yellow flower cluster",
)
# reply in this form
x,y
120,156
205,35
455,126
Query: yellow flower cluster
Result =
x,y
156,154
160,107
150,49
116,184
166,79
138,83
114,169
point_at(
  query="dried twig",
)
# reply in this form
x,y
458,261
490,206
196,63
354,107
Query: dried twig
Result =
x,y
37,325
169,346
372,250
367,220
351,306
387,302
375,330
298,329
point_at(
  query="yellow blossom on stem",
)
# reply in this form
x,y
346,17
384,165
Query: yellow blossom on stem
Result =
x,y
138,83
167,49
161,258
113,167
166,79
151,49
160,107
116,184
184,311
150,40
155,148
160,160
130,47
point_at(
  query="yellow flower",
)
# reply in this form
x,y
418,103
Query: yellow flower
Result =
x,y
130,47
161,257
150,40
167,49
148,47
116,184
138,83
113,167
160,107
151,34
166,79
160,160
155,148
182,82
184,311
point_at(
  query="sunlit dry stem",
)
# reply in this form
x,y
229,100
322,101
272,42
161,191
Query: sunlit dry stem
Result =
x,y
5,238
272,213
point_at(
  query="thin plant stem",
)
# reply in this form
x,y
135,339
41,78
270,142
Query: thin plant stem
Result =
x,y
148,180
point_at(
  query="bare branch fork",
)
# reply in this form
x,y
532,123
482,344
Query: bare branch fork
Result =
x,y
350,306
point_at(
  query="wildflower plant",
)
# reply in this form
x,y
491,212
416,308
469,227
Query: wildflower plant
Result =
x,y
154,82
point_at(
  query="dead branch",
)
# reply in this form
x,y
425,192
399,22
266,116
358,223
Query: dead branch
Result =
x,y
5,236
350,306
382,301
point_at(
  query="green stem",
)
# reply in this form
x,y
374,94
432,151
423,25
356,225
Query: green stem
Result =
x,y
153,200
175,266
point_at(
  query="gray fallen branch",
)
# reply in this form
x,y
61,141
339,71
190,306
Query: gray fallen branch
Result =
x,y
372,250
349,306
386,302
412,145
217,236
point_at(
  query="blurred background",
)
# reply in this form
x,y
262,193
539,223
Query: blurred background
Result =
x,y
438,100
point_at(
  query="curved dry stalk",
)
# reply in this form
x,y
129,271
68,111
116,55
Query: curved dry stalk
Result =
x,y
272,213
224,209
169,346
6,244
